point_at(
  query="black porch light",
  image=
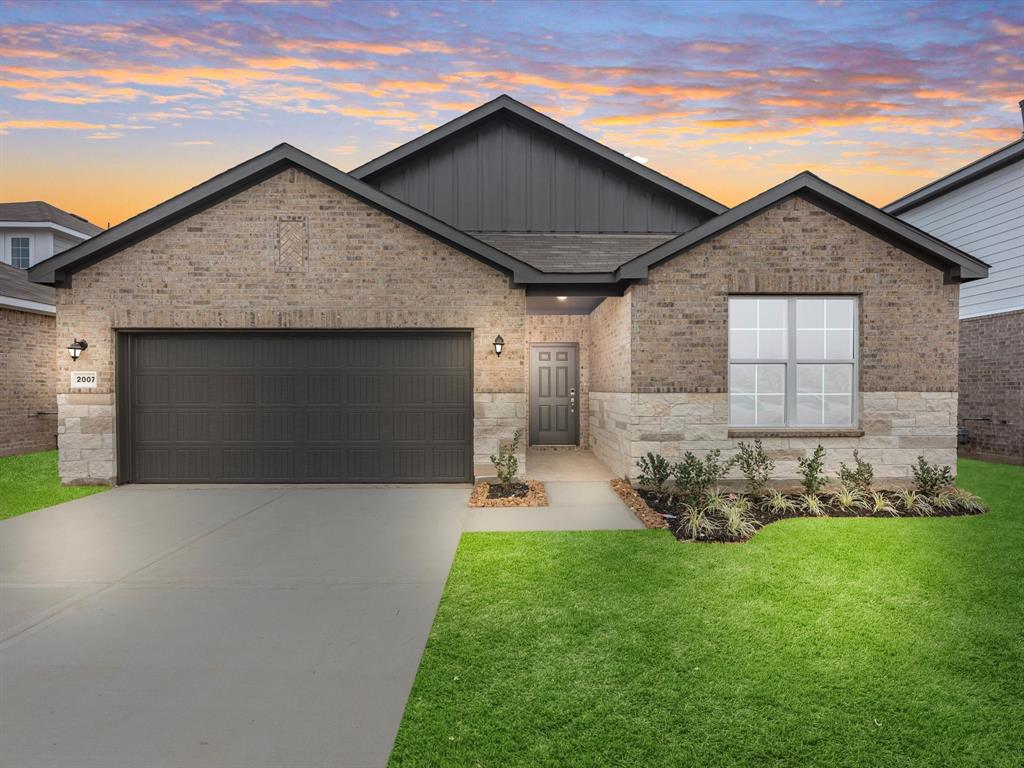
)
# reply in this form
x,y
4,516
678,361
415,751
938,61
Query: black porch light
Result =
x,y
499,344
76,348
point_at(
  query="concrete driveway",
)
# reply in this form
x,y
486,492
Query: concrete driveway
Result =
x,y
150,627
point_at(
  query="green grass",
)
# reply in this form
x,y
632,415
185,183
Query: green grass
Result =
x,y
30,481
818,643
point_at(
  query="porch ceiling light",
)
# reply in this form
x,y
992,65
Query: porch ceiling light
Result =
x,y
562,298
76,348
499,344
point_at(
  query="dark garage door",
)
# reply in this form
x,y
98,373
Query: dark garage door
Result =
x,y
296,407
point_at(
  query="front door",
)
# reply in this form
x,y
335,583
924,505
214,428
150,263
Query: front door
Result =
x,y
554,394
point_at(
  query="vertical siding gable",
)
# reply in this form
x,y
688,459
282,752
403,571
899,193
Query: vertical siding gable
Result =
x,y
506,175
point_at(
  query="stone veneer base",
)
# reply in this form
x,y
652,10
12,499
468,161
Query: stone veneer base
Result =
x,y
897,427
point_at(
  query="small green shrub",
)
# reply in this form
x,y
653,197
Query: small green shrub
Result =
x,y
931,479
696,478
811,504
756,466
505,463
914,503
778,503
849,499
879,504
859,477
813,479
655,471
695,523
944,501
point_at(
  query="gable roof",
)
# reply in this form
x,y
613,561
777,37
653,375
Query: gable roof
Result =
x,y
572,252
959,266
16,292
60,267
545,123
958,178
37,211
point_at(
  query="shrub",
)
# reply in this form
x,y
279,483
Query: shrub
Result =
x,y
812,505
695,523
505,463
756,466
737,521
696,478
929,478
810,470
654,472
849,499
879,504
944,501
968,500
914,503
778,503
859,477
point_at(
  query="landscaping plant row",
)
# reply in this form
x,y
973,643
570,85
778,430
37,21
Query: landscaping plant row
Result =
x,y
686,494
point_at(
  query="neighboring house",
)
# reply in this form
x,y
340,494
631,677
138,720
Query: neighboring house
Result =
x,y
286,321
980,209
30,233
34,231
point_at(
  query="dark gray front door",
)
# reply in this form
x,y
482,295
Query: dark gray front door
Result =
x,y
295,407
554,394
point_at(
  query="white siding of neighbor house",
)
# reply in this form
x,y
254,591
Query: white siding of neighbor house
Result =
x,y
40,244
985,218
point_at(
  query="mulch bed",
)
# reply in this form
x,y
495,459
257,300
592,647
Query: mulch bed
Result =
x,y
632,499
654,510
528,494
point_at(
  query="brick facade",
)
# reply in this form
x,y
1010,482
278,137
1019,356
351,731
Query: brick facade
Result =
x,y
28,360
992,385
222,268
675,397
908,316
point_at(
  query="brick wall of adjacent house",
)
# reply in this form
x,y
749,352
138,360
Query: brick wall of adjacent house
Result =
x,y
544,329
224,268
28,369
678,328
992,385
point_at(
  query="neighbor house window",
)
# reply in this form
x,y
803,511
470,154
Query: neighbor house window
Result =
x,y
792,361
20,252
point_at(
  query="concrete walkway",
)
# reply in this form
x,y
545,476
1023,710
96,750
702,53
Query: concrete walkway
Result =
x,y
232,626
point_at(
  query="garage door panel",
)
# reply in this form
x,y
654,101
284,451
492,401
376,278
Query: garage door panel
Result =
x,y
299,407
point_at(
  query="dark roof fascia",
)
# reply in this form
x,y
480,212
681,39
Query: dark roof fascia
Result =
x,y
546,123
958,266
58,268
958,178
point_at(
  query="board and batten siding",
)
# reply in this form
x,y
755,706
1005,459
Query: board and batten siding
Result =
x,y
985,218
504,175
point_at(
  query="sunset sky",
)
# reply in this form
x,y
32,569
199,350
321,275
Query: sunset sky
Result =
x,y
109,108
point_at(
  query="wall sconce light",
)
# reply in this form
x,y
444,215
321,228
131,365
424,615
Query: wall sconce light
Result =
x,y
499,344
77,347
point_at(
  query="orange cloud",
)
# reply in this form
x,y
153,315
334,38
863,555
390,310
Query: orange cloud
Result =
x,y
408,86
347,46
881,79
67,125
368,112
291,62
1009,28
787,102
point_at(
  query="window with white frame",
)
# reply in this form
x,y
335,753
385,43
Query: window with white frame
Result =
x,y
792,361
20,252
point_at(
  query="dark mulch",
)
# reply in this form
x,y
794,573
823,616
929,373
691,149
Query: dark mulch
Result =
x,y
512,490
663,505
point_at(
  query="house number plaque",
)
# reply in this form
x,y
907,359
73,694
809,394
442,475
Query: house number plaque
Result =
x,y
83,379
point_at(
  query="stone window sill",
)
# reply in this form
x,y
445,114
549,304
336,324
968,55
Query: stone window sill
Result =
x,y
796,432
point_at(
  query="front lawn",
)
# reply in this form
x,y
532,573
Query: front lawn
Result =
x,y
30,481
838,642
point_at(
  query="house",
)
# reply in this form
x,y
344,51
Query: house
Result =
x,y
34,231
30,233
287,321
980,209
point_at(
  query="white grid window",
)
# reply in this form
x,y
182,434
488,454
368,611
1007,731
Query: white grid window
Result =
x,y
20,252
792,361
